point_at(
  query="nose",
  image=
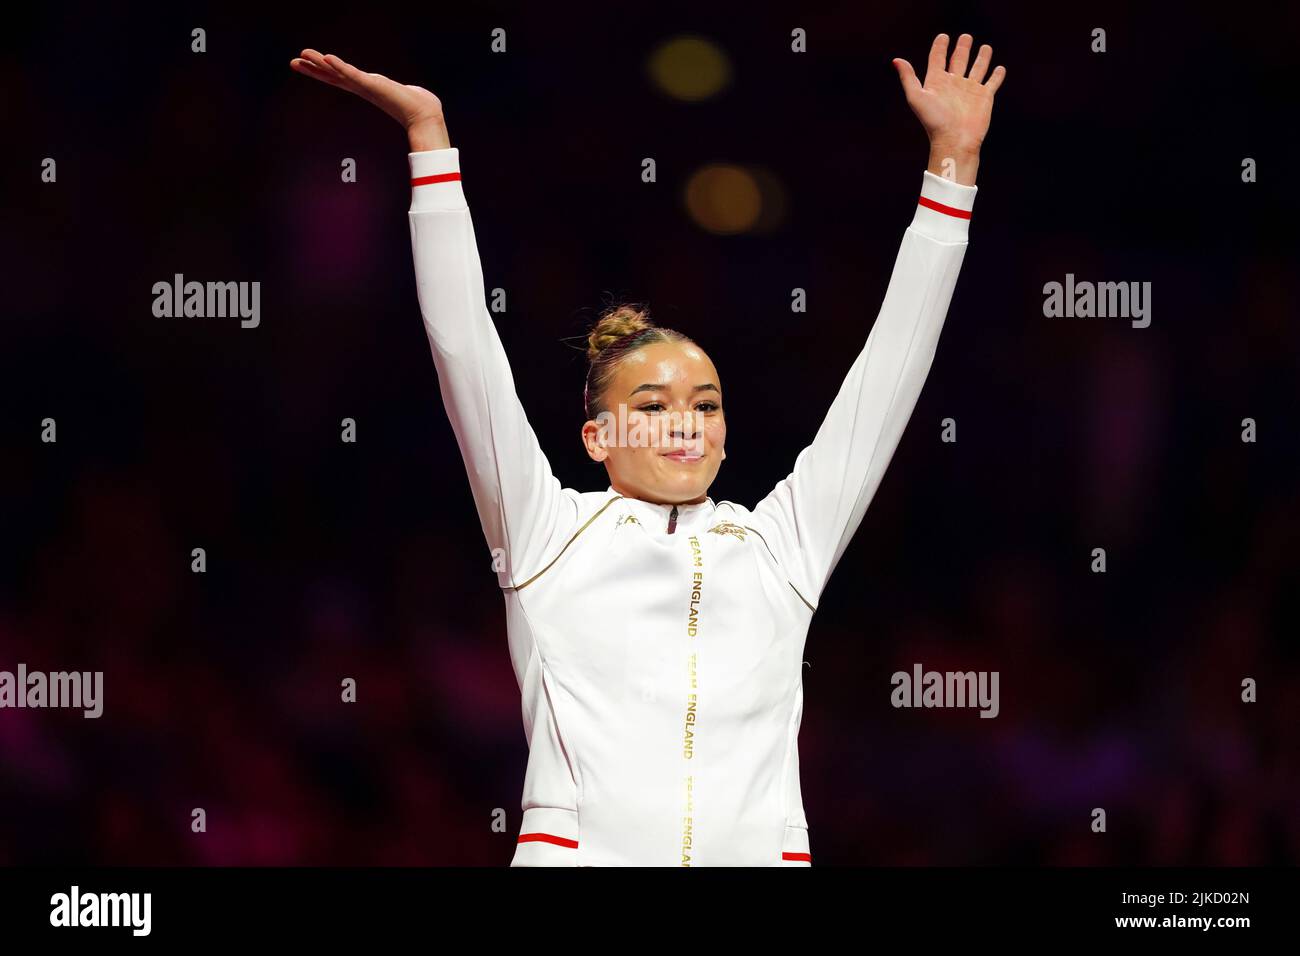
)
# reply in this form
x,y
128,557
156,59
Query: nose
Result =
x,y
689,433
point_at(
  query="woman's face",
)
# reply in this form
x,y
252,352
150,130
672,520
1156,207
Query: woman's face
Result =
x,y
662,437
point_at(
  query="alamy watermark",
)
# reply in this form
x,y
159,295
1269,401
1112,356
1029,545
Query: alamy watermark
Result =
x,y
669,429
211,300
922,688
76,908
1086,300
83,689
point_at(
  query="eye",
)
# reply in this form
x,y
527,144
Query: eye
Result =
x,y
658,407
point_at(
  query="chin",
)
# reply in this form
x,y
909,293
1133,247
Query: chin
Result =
x,y
690,483
670,481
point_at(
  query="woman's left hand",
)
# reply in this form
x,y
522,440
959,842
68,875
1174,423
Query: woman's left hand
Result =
x,y
955,108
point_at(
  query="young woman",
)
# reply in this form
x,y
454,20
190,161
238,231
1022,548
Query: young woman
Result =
x,y
657,635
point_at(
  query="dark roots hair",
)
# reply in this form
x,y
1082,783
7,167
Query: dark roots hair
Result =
x,y
620,330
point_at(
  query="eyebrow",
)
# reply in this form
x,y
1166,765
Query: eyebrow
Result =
x,y
660,386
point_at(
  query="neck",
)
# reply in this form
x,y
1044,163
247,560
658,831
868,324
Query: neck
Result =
x,y
656,500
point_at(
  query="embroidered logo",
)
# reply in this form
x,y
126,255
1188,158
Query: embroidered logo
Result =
x,y
727,527
627,519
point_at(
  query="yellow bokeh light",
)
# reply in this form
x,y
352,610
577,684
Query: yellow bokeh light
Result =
x,y
724,199
689,67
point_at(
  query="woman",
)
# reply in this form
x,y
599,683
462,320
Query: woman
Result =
x,y
657,635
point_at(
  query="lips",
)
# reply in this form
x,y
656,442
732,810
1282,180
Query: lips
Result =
x,y
684,456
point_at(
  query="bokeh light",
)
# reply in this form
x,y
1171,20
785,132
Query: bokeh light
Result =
x,y
725,199
689,67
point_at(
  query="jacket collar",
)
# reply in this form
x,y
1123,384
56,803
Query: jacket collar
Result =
x,y
658,514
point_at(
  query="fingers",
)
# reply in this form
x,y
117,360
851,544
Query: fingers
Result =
x,y
307,68
911,85
316,59
350,72
960,58
938,56
981,64
375,88
343,74
312,63
961,55
337,72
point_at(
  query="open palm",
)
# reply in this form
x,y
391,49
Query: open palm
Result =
x,y
955,108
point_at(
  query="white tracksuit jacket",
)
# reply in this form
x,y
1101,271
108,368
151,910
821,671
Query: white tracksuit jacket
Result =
x,y
659,649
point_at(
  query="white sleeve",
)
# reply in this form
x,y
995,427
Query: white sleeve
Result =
x,y
815,511
521,505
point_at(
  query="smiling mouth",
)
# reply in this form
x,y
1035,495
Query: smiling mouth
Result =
x,y
684,456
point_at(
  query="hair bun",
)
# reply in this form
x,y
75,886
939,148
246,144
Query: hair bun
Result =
x,y
615,324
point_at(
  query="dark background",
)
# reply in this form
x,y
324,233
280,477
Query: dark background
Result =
x,y
329,560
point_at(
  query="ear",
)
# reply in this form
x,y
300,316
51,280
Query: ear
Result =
x,y
591,438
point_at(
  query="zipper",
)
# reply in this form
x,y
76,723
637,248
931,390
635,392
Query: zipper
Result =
x,y
672,520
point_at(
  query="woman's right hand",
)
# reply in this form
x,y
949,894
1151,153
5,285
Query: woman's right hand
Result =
x,y
418,110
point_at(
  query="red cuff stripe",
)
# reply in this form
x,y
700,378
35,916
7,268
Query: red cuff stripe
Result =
x,y
440,178
946,210
573,844
547,838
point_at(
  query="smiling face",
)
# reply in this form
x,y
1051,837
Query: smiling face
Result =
x,y
662,437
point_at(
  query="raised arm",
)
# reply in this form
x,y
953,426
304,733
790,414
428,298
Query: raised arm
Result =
x,y
520,503
812,514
